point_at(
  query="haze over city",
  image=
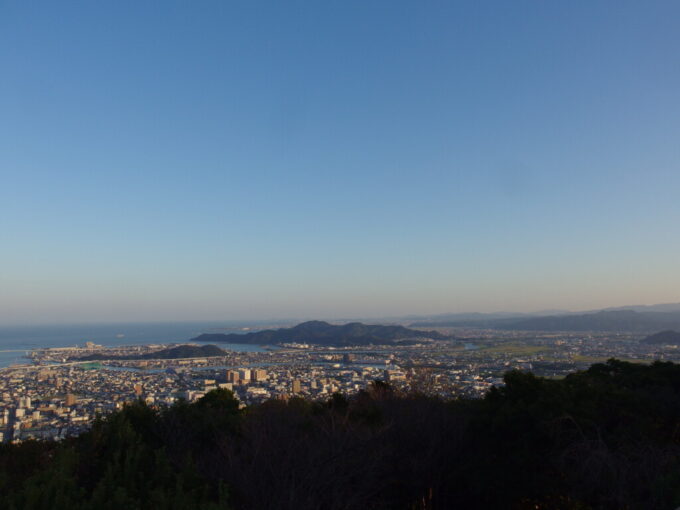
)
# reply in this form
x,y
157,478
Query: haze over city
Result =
x,y
356,159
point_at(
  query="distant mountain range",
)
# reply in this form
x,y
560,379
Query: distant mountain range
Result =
x,y
646,319
664,307
665,338
181,351
323,333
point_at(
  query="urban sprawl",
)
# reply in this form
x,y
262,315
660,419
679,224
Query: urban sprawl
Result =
x,y
56,395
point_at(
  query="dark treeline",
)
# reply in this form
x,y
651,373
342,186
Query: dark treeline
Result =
x,y
606,438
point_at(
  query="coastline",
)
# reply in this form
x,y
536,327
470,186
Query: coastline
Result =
x,y
16,342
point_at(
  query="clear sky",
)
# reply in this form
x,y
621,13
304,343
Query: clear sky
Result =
x,y
195,160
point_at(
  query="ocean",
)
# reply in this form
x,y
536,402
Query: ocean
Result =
x,y
16,341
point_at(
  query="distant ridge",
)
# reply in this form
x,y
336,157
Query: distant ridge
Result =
x,y
664,337
663,307
613,320
458,317
323,333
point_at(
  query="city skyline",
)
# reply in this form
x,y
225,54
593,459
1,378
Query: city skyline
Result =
x,y
255,162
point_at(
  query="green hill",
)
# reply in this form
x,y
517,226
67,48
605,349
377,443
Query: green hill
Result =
x,y
181,351
323,333
664,337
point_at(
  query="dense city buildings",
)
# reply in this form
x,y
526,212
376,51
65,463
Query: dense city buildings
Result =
x,y
59,395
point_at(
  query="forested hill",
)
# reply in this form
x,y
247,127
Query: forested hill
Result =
x,y
323,333
606,438
664,337
181,351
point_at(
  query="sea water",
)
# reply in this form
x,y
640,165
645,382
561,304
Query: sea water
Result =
x,y
17,341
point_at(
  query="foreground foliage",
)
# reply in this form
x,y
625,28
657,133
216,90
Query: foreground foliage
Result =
x,y
606,438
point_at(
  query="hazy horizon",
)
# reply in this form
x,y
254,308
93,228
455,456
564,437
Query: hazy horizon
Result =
x,y
264,320
336,160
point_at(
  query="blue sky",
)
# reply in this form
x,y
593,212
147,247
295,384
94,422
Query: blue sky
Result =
x,y
182,160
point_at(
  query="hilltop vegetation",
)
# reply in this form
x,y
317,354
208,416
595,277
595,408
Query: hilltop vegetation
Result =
x,y
323,333
179,352
664,337
606,438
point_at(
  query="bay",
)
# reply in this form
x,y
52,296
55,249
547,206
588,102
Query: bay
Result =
x,y
17,341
